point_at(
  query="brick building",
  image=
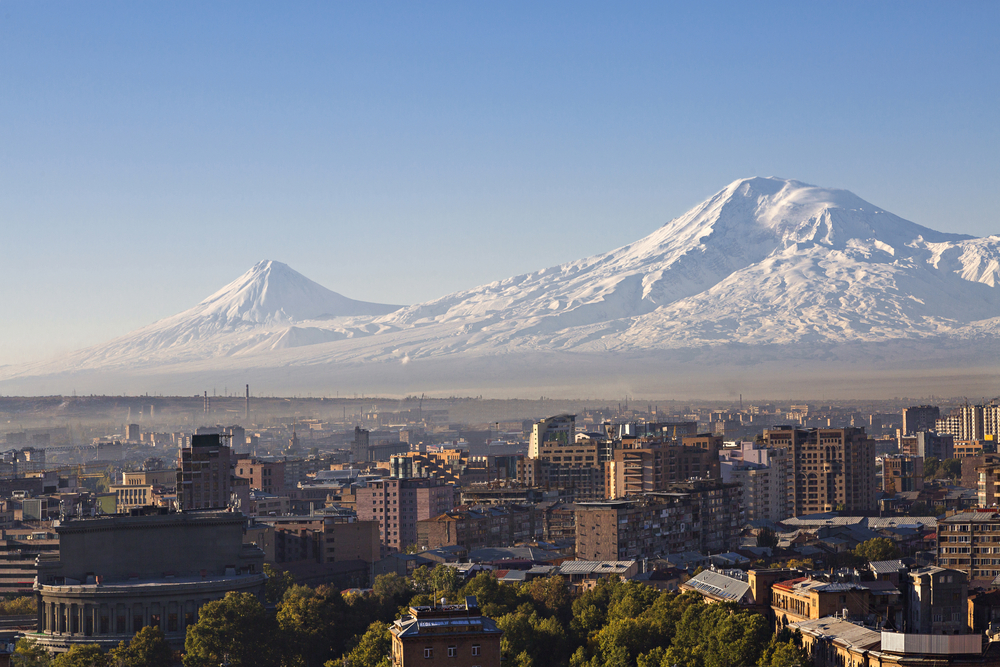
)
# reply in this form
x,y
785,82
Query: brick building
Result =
x,y
478,528
452,635
703,516
397,504
266,476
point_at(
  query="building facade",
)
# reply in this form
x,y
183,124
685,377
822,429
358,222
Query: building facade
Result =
x,y
115,575
203,473
397,504
703,516
560,429
831,469
452,635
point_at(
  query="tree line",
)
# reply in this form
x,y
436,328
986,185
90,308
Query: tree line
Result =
x,y
615,624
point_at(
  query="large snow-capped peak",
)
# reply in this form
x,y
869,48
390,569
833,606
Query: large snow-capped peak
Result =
x,y
274,292
760,248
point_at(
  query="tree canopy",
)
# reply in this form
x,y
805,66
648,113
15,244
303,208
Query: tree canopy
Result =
x,y
877,548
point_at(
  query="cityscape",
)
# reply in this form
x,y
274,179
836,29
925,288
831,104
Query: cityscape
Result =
x,y
835,533
499,334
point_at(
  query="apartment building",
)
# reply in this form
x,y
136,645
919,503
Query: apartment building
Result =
x,y
203,473
763,474
920,418
703,516
579,482
559,429
398,504
902,473
326,539
938,601
972,422
478,528
647,466
266,476
831,469
970,542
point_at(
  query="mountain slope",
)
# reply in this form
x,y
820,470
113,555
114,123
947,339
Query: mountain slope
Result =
x,y
767,268
763,261
257,311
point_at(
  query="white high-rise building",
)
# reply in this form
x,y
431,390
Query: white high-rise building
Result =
x,y
561,429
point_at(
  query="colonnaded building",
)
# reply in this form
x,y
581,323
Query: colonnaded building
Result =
x,y
115,575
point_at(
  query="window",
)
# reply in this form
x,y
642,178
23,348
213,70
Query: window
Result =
x,y
428,653
475,649
452,651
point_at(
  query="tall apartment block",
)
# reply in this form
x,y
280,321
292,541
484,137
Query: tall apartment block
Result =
x,y
703,516
266,476
560,429
901,472
764,474
397,504
920,418
830,468
642,466
203,473
359,448
972,422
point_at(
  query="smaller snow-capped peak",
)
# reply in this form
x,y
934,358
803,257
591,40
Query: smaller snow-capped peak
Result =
x,y
274,292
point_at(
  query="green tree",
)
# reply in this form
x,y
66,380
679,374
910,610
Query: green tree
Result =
x,y
148,648
372,650
766,537
24,605
314,625
27,653
877,548
236,629
278,581
931,467
951,468
783,654
81,655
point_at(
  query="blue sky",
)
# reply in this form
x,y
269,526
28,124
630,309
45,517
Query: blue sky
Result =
x,y
152,152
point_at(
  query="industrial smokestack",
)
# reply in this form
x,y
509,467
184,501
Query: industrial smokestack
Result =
x,y
246,408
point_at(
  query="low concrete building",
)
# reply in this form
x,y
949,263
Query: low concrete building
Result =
x,y
453,635
716,587
116,575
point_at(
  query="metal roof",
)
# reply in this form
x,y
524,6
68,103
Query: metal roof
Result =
x,y
598,566
718,585
844,632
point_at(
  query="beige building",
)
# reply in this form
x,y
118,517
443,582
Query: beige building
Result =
x,y
559,429
831,469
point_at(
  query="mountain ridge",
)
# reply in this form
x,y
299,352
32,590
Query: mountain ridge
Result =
x,y
763,262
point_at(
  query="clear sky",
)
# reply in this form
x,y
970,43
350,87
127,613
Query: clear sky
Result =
x,y
150,152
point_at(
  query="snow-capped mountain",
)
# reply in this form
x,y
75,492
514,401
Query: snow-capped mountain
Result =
x,y
764,261
767,269
260,310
